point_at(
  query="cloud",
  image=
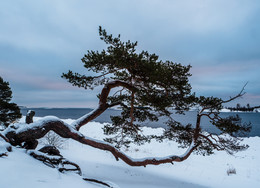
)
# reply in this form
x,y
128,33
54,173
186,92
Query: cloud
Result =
x,y
41,39
226,79
63,25
50,98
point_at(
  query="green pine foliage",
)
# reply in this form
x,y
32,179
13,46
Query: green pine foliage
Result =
x,y
158,86
9,112
159,89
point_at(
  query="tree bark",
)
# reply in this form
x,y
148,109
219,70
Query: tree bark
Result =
x,y
103,105
39,129
30,144
29,116
21,133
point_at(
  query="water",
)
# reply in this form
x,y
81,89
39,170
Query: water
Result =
x,y
190,117
71,113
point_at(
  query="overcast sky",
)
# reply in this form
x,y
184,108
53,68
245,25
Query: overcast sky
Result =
x,y
41,39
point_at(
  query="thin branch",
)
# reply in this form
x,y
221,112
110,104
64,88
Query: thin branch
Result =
x,y
217,147
202,110
96,181
132,108
119,91
211,118
115,104
6,139
3,154
99,76
240,94
55,161
255,107
65,162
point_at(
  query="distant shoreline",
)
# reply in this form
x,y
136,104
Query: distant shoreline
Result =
x,y
81,108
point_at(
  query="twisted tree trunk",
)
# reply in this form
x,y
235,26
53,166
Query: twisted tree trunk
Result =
x,y
39,129
18,134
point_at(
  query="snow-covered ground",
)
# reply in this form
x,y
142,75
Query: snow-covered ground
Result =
x,y
21,170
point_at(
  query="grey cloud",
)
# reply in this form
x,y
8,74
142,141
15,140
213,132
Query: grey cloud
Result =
x,y
46,38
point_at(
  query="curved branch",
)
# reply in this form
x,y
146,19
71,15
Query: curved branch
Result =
x,y
215,146
3,154
102,103
96,181
6,139
211,118
240,94
39,129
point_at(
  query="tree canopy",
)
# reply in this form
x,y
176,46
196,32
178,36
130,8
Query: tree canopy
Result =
x,y
146,89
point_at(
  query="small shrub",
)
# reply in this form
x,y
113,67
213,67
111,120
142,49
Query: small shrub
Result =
x,y
231,170
52,139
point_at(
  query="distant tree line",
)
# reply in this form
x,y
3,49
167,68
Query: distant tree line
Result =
x,y
246,108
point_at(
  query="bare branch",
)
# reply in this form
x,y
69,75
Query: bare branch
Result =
x,y
211,118
216,146
119,91
96,181
132,108
240,94
6,139
66,162
55,161
99,76
3,154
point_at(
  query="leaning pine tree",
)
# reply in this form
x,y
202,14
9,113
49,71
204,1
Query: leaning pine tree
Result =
x,y
145,89
9,112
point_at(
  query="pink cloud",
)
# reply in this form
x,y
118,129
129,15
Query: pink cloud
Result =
x,y
36,81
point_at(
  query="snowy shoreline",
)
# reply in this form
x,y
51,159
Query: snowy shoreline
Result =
x,y
196,171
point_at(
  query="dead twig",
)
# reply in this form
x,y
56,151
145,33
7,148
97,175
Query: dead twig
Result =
x,y
97,181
